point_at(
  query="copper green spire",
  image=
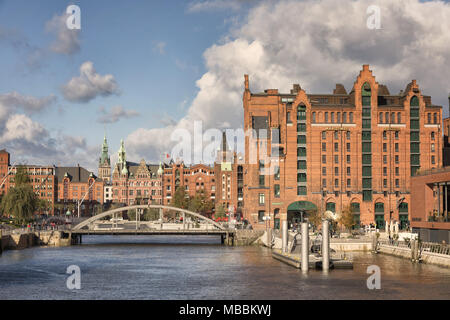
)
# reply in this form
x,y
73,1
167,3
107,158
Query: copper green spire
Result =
x,y
104,158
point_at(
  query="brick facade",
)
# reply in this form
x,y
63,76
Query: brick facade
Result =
x,y
336,150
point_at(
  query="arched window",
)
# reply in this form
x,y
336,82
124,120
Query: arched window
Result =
x,y
399,117
392,117
344,117
381,117
432,136
366,94
414,102
326,117
435,118
351,117
332,117
338,120
429,117
386,116
314,117
379,207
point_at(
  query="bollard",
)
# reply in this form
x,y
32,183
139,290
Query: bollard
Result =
x,y
325,246
305,247
284,236
269,237
374,243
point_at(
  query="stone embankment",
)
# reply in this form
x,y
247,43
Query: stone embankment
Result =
x,y
27,239
244,237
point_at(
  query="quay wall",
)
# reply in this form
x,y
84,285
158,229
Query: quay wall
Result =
x,y
30,239
438,259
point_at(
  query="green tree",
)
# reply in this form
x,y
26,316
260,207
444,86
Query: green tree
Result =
x,y
200,203
346,218
179,198
220,211
315,218
21,201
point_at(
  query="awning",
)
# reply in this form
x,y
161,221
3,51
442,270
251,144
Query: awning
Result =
x,y
302,205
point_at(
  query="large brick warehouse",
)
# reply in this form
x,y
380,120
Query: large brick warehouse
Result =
x,y
357,149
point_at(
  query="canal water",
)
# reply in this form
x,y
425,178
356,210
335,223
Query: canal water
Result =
x,y
186,267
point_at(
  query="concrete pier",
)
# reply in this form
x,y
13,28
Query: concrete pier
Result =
x,y
305,247
325,246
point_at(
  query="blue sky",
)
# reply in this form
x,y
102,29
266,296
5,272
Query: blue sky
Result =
x,y
120,38
161,65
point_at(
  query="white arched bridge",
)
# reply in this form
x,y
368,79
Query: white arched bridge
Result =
x,y
191,224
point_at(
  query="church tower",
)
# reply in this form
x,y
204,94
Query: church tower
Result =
x,y
104,163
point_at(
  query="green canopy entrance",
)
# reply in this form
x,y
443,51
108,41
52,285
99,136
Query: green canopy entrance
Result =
x,y
297,210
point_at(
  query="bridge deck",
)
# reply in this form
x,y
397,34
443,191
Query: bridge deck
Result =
x,y
151,232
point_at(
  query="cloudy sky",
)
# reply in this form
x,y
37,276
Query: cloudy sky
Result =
x,y
142,70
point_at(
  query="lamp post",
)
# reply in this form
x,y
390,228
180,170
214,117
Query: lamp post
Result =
x,y
79,202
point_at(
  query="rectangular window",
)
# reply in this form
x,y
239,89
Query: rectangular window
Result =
x,y
324,159
367,195
384,183
348,171
366,171
414,113
261,180
261,199
348,158
348,147
415,159
349,183
367,159
301,177
336,183
301,152
367,183
433,160
336,171
288,117
336,135
261,215
384,147
366,100
397,183
324,135
277,173
301,139
385,159
415,147
276,190
366,124
415,124
324,183
366,135
301,127
415,136
324,171
301,164
336,159
396,147
397,159
301,191
336,147
367,147
385,171
348,135
397,171
324,146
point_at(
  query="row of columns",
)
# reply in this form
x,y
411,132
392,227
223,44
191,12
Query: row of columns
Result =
x,y
444,198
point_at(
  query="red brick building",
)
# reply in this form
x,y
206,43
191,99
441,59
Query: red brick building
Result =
x,y
134,183
341,149
198,177
4,167
430,194
76,184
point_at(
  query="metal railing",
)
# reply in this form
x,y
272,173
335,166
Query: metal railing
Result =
x,y
435,248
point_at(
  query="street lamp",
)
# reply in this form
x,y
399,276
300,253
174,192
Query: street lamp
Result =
x,y
79,202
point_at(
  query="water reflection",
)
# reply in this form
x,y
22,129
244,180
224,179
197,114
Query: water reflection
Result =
x,y
140,267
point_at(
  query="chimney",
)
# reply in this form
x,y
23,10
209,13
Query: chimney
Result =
x,y
246,82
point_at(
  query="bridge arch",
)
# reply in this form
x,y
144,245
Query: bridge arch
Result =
x,y
143,206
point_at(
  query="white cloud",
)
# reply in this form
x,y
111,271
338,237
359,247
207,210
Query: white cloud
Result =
x,y
67,41
89,85
115,114
30,104
316,43
213,5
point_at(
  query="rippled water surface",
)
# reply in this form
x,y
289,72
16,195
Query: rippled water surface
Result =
x,y
177,267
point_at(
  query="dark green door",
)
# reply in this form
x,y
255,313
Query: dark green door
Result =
x,y
276,223
404,222
379,221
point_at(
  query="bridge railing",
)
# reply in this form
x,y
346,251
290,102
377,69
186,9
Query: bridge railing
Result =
x,y
435,248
